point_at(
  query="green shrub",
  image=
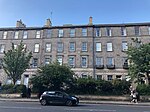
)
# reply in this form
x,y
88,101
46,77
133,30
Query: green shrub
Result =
x,y
121,87
86,86
143,89
10,88
20,88
104,87
7,88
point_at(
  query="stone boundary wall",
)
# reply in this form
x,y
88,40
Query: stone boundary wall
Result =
x,y
87,97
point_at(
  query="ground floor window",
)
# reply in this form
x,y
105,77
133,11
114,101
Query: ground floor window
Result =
x,y
99,77
109,77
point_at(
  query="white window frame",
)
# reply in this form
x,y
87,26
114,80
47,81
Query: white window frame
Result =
x,y
72,46
109,47
110,61
38,34
35,62
60,47
5,33
99,61
60,59
60,33
49,33
123,31
47,60
84,46
108,31
48,47
25,34
72,32
84,61
98,46
15,46
97,32
16,36
36,48
124,46
2,48
71,61
137,30
84,32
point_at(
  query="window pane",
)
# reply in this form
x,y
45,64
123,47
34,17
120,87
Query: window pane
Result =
x,y
98,32
72,32
48,47
72,61
49,33
2,48
110,61
84,61
108,31
35,63
60,59
123,31
72,46
98,47
4,34
84,32
60,47
99,61
109,47
15,46
149,30
60,33
38,34
84,46
124,46
25,35
99,77
137,30
48,59
36,47
109,77
16,36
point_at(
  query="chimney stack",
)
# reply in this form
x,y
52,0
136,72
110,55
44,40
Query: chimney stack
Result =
x,y
48,23
20,24
90,20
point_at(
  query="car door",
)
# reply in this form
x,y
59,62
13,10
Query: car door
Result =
x,y
59,98
51,97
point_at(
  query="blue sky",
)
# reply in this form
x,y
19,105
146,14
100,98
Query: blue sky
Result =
x,y
76,12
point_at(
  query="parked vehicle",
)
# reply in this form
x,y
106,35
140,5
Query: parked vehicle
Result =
x,y
58,98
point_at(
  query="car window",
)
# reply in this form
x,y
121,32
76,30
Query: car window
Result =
x,y
51,93
59,94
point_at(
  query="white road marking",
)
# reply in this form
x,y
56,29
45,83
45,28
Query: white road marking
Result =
x,y
91,110
32,108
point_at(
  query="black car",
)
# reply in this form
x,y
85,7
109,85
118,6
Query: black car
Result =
x,y
58,98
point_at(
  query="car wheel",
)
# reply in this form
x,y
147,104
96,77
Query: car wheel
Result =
x,y
43,102
69,103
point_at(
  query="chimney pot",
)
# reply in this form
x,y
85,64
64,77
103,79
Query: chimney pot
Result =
x,y
48,23
90,20
20,24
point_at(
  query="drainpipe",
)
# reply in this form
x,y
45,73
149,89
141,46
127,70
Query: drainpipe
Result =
x,y
94,75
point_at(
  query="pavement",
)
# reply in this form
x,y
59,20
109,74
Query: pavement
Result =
x,y
81,101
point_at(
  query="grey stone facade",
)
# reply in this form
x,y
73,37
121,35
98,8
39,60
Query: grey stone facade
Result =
x,y
83,58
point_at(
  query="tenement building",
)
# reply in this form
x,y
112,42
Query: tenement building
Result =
x,y
96,50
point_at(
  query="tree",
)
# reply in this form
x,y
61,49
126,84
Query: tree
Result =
x,y
16,61
139,57
53,77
